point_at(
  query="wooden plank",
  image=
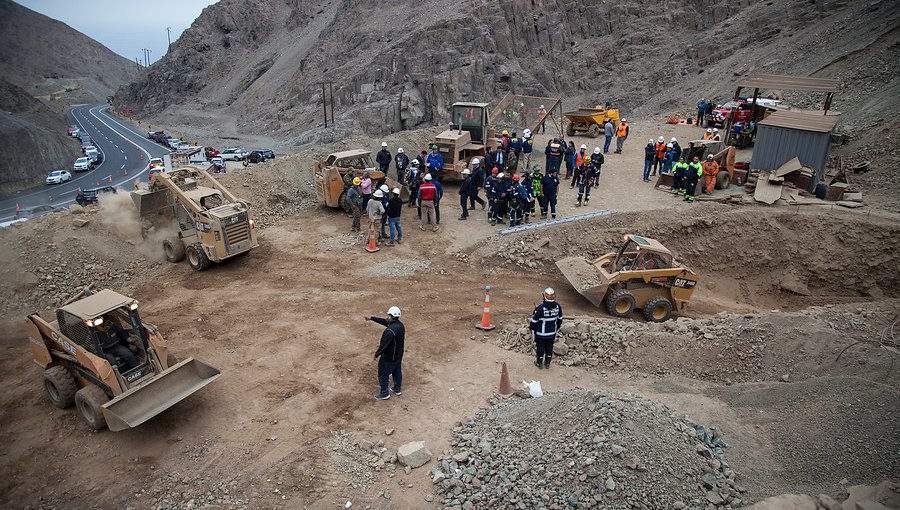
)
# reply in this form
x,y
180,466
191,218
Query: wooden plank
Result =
x,y
767,192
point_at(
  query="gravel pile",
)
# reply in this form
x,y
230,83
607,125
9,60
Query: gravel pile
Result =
x,y
584,449
356,460
395,268
725,348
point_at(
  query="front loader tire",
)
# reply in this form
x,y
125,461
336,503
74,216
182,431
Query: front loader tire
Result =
x,y
89,401
594,131
60,386
197,258
620,303
723,180
657,309
174,249
570,129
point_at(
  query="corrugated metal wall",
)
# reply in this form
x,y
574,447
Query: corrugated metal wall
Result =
x,y
776,146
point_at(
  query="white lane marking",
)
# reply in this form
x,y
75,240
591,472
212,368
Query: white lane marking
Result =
x,y
147,166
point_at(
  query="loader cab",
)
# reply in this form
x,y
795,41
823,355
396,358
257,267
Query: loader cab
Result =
x,y
473,118
641,254
83,320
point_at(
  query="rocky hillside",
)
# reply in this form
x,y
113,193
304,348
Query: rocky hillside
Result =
x,y
46,66
256,67
55,62
33,138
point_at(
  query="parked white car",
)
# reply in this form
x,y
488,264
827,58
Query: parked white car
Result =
x,y
92,153
58,177
234,154
82,164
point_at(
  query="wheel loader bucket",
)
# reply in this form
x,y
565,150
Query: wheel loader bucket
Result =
x,y
169,387
585,277
149,203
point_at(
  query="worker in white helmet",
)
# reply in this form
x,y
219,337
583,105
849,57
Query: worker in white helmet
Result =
x,y
478,176
390,353
384,158
542,114
401,161
545,322
621,135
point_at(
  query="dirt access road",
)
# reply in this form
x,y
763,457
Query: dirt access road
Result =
x,y
285,325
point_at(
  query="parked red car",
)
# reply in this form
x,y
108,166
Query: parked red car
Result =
x,y
721,113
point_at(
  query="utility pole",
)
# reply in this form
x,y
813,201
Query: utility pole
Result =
x,y
169,36
137,63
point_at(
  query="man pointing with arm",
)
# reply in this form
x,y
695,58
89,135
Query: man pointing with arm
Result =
x,y
390,352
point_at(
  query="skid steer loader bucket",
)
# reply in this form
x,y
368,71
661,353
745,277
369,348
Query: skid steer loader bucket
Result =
x,y
171,386
585,277
149,203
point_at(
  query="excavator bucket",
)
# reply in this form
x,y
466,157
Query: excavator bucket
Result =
x,y
586,278
149,203
171,386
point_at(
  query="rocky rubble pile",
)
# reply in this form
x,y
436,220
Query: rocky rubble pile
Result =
x,y
178,492
725,348
584,449
47,259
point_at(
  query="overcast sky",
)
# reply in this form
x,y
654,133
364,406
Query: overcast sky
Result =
x,y
124,26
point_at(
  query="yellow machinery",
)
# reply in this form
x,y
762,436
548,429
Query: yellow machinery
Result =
x,y
643,274
590,120
78,370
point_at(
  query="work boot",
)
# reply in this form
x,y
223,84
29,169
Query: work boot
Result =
x,y
554,216
390,243
462,217
396,391
399,241
493,221
578,203
586,200
547,364
537,363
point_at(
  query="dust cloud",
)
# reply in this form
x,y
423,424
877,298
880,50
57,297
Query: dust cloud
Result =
x,y
118,212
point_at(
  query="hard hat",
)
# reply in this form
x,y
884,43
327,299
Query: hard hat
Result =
x,y
384,144
427,177
400,150
466,171
624,119
650,141
709,130
537,168
378,193
394,312
541,107
494,170
715,130
415,162
527,132
505,132
669,145
596,150
583,146
356,181
515,178
475,161
587,159
673,140
434,146
384,188
661,139
501,175
709,156
549,294
396,191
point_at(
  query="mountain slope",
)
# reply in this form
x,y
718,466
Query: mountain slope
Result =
x,y
55,62
257,67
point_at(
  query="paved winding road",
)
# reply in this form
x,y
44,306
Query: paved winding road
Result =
x,y
124,150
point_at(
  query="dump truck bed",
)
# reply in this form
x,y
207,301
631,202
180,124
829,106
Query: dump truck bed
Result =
x,y
139,404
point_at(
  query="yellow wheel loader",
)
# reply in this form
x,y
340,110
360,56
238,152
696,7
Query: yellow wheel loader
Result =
x,y
84,364
643,275
213,224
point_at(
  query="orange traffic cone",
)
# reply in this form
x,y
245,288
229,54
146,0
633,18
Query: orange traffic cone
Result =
x,y
505,388
486,314
372,247
110,179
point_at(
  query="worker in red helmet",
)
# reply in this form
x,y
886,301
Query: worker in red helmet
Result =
x,y
519,200
545,322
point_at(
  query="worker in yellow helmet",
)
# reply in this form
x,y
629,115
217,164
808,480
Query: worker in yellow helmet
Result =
x,y
355,199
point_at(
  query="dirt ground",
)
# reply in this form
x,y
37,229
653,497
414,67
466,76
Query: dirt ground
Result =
x,y
286,327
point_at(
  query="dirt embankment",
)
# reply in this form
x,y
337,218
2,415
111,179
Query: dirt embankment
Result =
x,y
746,257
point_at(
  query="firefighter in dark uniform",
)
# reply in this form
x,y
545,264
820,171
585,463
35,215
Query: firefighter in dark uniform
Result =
x,y
545,322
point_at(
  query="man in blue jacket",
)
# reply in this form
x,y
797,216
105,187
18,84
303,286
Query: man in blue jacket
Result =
x,y
549,190
390,353
435,163
545,322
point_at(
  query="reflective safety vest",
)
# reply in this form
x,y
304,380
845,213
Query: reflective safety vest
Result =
x,y
660,150
695,166
681,167
623,130
707,136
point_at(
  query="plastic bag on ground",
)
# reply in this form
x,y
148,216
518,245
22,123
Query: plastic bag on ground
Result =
x,y
534,388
